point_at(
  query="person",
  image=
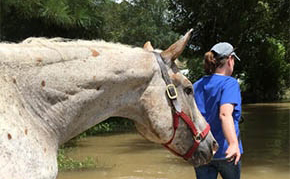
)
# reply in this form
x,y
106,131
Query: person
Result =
x,y
218,98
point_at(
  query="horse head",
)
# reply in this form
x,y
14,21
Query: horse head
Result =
x,y
172,114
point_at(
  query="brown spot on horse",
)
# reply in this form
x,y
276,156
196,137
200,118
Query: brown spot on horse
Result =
x,y
38,60
43,83
95,53
9,136
14,80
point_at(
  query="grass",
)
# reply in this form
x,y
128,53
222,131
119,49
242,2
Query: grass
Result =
x,y
66,163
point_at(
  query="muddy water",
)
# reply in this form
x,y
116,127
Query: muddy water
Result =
x,y
265,135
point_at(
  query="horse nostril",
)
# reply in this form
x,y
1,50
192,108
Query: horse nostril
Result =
x,y
215,147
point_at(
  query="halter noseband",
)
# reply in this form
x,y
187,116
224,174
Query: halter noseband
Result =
x,y
178,113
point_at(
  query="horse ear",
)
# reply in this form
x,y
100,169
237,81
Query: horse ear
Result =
x,y
147,46
177,48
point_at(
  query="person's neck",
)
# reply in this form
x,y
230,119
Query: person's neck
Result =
x,y
222,71
220,74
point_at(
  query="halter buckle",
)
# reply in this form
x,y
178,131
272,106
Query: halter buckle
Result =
x,y
171,91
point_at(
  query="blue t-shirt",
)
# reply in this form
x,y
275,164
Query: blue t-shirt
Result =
x,y
210,93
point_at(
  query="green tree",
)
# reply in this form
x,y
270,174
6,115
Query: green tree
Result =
x,y
130,22
137,21
265,76
255,27
24,18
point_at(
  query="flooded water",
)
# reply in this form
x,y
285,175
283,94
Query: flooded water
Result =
x,y
265,135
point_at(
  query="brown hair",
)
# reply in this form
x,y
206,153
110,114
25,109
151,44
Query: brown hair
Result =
x,y
211,63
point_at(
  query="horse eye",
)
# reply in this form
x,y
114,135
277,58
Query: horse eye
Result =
x,y
188,90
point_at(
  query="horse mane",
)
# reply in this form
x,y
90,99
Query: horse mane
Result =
x,y
38,51
63,42
54,43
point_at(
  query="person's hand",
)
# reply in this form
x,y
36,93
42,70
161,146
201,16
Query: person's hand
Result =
x,y
233,153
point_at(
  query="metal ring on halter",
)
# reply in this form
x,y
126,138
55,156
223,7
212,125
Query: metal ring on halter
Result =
x,y
197,137
171,91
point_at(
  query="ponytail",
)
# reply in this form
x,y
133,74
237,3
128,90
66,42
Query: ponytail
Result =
x,y
209,63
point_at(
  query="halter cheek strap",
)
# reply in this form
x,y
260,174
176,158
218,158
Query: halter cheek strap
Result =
x,y
179,114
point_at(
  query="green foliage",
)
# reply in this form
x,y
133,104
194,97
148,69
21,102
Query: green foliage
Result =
x,y
24,18
266,75
57,11
114,124
131,23
258,28
197,65
66,163
136,22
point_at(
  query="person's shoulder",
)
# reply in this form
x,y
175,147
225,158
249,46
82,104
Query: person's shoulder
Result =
x,y
231,79
231,82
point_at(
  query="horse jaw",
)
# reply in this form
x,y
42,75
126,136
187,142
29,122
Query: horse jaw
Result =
x,y
173,52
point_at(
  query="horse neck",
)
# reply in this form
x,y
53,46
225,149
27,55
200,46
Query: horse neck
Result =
x,y
70,88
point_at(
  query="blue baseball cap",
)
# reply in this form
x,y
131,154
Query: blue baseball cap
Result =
x,y
224,49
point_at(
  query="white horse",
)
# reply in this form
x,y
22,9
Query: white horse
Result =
x,y
54,89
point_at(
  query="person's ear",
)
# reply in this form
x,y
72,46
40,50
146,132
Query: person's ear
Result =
x,y
229,60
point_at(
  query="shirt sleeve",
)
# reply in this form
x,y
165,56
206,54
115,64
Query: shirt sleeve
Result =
x,y
231,92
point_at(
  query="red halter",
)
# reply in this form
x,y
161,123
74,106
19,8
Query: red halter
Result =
x,y
197,136
178,113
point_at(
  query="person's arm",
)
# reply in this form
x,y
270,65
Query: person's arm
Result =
x,y
228,127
